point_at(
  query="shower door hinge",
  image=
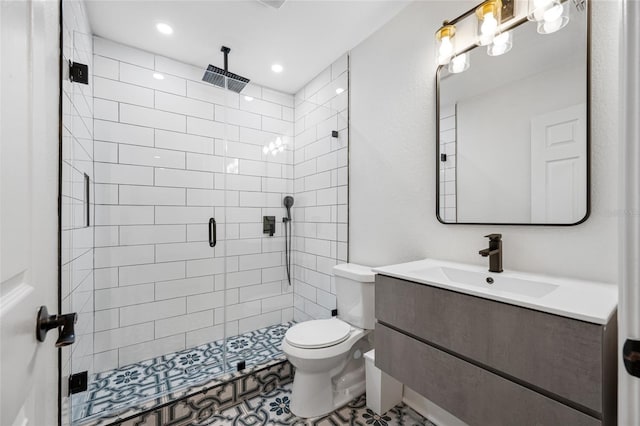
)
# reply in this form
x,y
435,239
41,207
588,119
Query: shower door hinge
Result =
x,y
78,382
78,73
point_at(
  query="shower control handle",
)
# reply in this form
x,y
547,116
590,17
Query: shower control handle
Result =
x,y
212,232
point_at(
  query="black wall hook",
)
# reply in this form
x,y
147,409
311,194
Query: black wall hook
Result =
x,y
46,322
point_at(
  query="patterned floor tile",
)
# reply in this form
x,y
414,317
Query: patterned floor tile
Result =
x,y
172,376
273,409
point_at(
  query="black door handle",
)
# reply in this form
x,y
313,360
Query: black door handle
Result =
x,y
631,357
46,322
212,233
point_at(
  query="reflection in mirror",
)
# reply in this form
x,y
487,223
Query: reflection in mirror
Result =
x,y
513,136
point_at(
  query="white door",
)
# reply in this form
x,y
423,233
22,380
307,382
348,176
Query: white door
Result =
x,y
29,120
559,166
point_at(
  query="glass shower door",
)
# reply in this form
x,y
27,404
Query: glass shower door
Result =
x,y
258,175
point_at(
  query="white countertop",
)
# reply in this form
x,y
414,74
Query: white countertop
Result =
x,y
588,301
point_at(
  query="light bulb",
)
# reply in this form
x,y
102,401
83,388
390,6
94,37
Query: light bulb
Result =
x,y
274,153
458,64
281,148
278,141
446,48
271,146
265,150
553,13
489,25
538,4
551,26
501,44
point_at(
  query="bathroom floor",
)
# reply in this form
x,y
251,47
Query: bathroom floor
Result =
x,y
271,407
176,374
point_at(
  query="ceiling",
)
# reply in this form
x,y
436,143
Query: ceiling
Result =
x,y
304,36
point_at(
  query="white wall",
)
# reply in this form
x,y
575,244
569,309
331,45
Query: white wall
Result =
x,y
392,167
321,192
160,175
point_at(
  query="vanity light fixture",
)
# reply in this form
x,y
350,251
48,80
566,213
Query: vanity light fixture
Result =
x,y
501,44
488,14
158,76
551,15
445,43
459,63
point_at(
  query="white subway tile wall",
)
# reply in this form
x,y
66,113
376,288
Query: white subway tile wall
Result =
x,y
320,211
160,173
77,236
448,137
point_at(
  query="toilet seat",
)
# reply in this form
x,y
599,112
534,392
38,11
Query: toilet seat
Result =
x,y
318,334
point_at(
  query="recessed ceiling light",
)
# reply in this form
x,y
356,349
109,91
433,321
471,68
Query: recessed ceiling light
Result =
x,y
339,90
158,76
164,28
248,98
276,68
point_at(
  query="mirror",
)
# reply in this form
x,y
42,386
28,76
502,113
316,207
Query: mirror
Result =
x,y
513,137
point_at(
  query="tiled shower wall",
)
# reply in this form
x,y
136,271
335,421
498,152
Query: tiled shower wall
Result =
x,y
161,173
77,160
320,211
448,138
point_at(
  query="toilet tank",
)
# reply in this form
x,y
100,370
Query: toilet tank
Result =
x,y
355,289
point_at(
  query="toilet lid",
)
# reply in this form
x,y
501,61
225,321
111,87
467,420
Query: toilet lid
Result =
x,y
318,333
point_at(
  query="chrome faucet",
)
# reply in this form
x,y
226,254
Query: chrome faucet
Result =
x,y
494,252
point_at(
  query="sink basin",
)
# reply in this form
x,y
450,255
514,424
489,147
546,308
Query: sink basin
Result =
x,y
493,282
583,300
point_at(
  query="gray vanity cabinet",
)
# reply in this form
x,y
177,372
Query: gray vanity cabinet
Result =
x,y
491,363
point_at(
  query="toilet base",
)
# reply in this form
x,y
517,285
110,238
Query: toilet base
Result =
x,y
315,394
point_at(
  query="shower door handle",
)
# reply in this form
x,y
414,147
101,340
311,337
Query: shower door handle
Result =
x,y
212,232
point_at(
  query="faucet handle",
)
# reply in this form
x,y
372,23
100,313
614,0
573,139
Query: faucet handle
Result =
x,y
494,237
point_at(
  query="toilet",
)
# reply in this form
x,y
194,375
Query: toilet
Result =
x,y
328,353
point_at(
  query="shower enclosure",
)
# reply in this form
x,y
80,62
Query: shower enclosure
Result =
x,y
167,183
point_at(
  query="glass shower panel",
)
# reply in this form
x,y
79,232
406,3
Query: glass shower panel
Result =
x,y
77,219
258,174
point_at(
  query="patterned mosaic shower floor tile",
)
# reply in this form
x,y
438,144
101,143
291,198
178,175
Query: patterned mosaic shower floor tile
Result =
x,y
149,383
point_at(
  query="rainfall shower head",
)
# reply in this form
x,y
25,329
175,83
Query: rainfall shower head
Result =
x,y
222,77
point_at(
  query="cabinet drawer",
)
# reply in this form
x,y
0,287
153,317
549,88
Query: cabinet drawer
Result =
x,y
557,354
475,395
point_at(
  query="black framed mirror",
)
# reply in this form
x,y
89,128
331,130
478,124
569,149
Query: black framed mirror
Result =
x,y
513,130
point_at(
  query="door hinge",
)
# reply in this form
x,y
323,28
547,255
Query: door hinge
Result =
x,y
78,73
78,382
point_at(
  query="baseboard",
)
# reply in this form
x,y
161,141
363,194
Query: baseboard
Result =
x,y
429,410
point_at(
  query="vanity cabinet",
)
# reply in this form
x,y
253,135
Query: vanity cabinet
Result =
x,y
492,363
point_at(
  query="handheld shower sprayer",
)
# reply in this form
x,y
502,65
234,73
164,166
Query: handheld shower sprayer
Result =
x,y
288,202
